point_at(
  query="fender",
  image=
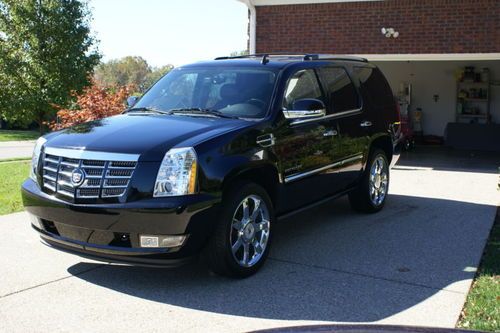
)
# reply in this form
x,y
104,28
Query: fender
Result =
x,y
383,141
235,155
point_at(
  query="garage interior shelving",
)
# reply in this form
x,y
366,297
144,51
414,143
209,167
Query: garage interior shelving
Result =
x,y
473,101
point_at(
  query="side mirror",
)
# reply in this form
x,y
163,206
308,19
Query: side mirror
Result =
x,y
132,100
306,108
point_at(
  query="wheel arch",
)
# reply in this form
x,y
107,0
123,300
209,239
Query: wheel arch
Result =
x,y
265,175
383,142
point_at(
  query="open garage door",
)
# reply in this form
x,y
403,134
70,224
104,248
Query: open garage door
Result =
x,y
464,110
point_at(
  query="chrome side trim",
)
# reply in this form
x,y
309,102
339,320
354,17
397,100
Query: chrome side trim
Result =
x,y
298,176
297,114
91,155
330,116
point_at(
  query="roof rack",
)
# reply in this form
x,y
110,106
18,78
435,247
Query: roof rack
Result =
x,y
334,57
304,57
264,57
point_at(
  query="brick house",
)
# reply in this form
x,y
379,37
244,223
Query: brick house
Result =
x,y
425,44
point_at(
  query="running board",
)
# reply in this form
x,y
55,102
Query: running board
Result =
x,y
314,204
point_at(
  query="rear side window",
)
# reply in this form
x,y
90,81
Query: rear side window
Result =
x,y
341,93
303,84
374,85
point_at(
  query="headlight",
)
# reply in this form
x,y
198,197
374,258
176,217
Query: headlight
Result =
x,y
36,157
177,174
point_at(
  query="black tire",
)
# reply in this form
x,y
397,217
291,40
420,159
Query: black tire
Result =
x,y
409,144
219,254
360,198
412,144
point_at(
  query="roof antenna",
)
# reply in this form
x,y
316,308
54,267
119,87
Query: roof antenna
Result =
x,y
265,59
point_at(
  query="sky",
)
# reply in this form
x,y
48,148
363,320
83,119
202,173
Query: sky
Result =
x,y
169,31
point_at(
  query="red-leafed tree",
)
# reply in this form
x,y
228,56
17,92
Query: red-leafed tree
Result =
x,y
95,102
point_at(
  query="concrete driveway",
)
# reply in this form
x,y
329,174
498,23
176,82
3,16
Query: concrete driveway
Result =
x,y
410,264
15,149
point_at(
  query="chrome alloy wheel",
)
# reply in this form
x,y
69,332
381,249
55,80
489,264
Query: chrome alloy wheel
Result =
x,y
250,231
379,180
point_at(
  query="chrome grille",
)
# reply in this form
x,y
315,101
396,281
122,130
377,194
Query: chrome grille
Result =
x,y
103,178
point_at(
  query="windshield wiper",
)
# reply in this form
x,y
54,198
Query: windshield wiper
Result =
x,y
145,109
202,111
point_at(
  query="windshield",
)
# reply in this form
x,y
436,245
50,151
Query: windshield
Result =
x,y
237,92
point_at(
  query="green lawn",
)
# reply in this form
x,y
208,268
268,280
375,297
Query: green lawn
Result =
x,y
12,174
482,309
7,135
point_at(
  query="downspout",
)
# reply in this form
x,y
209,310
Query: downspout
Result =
x,y
252,25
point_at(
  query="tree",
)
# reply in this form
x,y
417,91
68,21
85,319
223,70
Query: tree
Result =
x,y
93,103
46,53
134,71
238,53
156,74
121,72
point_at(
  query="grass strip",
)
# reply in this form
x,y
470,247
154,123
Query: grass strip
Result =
x,y
12,175
482,308
8,135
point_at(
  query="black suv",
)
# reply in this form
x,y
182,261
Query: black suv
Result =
x,y
212,156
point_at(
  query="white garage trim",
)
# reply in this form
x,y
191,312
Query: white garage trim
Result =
x,y
432,57
252,27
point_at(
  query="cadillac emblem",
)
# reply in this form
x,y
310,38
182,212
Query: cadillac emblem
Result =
x,y
77,177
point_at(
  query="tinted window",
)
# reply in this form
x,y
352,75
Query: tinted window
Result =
x,y
234,91
302,84
374,85
342,95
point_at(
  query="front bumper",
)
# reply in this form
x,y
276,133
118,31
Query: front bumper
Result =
x,y
110,232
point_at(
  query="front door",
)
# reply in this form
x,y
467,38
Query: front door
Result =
x,y
306,149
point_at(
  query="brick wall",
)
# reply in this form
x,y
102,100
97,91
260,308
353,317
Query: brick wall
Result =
x,y
425,26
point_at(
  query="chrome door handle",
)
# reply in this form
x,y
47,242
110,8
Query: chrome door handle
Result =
x,y
366,124
330,133
266,140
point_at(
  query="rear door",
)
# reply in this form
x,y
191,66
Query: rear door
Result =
x,y
346,108
378,96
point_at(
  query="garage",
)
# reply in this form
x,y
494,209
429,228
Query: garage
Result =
x,y
441,58
448,101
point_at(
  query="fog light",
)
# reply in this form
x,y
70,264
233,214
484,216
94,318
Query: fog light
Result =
x,y
36,221
162,240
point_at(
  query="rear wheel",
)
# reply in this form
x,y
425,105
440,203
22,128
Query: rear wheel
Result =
x,y
240,243
409,144
371,193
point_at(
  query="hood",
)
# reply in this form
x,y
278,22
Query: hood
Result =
x,y
149,135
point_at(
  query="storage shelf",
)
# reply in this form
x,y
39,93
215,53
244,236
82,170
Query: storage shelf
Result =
x,y
474,99
472,115
478,84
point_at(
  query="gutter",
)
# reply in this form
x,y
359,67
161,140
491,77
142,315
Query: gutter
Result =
x,y
252,25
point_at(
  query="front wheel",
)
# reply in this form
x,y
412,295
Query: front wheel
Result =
x,y
371,193
241,240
